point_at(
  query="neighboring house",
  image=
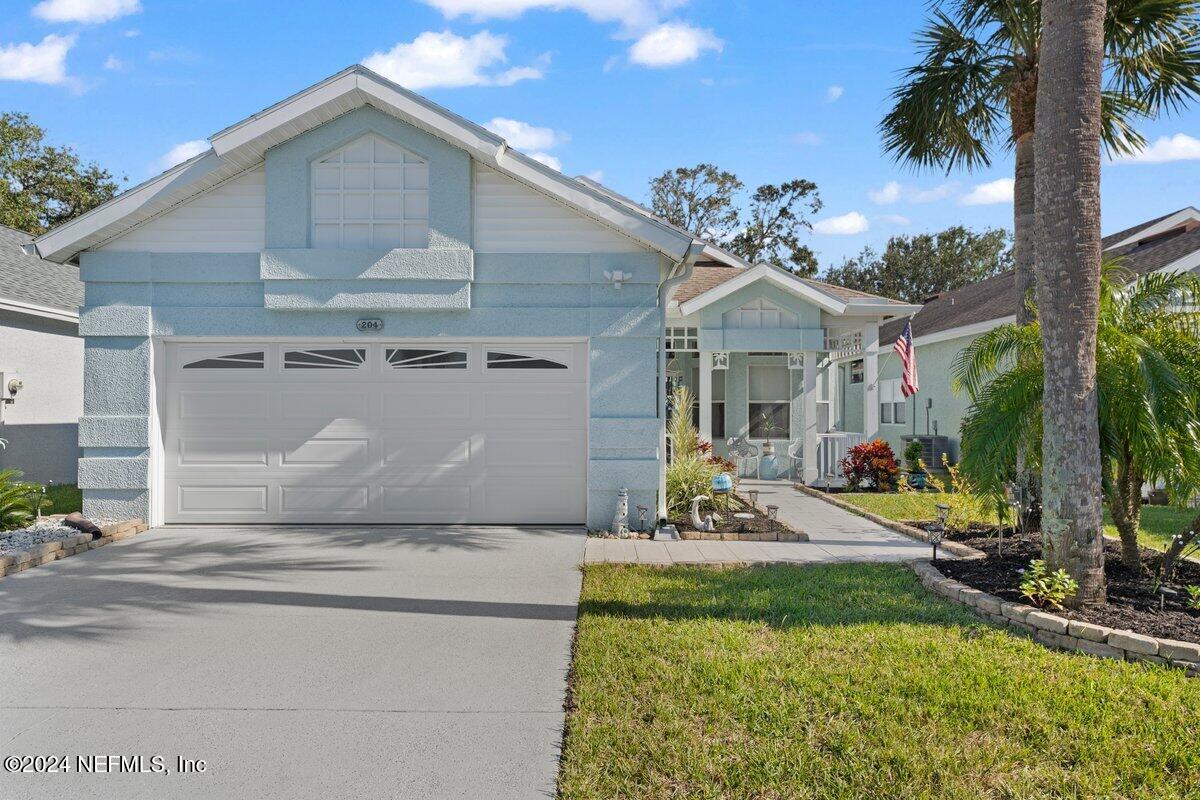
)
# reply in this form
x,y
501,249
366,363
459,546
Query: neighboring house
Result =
x,y
358,306
950,321
40,345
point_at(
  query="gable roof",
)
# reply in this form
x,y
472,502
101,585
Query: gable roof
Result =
x,y
31,285
243,145
1153,245
710,282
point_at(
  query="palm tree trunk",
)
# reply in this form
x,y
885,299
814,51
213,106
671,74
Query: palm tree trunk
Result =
x,y
1125,505
1067,224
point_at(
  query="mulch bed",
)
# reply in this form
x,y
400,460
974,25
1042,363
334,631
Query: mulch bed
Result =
x,y
1132,604
755,528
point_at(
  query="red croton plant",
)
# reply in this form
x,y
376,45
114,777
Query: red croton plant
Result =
x,y
873,463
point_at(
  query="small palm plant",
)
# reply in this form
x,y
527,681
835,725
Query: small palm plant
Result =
x,y
19,501
1147,365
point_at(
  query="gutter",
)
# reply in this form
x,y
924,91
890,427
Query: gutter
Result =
x,y
680,273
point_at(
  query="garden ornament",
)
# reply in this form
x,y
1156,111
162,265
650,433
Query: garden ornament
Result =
x,y
709,523
620,523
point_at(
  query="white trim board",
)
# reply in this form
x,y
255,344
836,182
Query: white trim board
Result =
x,y
35,310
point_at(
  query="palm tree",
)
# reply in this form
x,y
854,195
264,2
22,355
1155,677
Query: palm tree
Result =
x,y
1147,363
975,89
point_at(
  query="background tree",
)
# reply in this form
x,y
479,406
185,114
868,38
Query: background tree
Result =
x,y
975,90
913,268
699,199
705,201
1147,363
41,185
1070,123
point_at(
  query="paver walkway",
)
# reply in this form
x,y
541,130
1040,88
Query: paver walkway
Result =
x,y
834,535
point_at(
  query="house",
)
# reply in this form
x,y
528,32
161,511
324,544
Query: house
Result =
x,y
39,346
359,306
950,321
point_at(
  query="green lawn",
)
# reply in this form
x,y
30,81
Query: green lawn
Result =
x,y
65,498
1159,523
850,681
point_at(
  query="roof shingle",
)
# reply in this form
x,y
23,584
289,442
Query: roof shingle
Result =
x,y
28,279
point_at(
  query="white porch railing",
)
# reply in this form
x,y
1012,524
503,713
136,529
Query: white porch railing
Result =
x,y
831,449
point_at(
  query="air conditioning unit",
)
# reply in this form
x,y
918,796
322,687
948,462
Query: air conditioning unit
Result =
x,y
932,448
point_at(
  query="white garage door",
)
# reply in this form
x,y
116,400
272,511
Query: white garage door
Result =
x,y
340,431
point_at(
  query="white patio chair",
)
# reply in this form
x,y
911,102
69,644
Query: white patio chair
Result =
x,y
795,454
742,453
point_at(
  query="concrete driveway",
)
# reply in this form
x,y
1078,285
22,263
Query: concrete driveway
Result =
x,y
295,662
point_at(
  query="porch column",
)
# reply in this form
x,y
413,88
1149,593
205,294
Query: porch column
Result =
x,y
870,337
705,394
811,473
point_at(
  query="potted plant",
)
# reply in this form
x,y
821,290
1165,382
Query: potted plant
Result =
x,y
916,467
768,467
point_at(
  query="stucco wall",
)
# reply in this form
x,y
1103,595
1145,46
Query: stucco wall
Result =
x,y
933,363
42,427
135,299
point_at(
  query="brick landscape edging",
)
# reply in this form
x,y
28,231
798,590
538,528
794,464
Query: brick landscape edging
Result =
x,y
956,548
20,560
1060,633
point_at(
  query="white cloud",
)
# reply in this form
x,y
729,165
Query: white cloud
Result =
x,y
547,159
45,62
447,60
180,153
845,225
596,175
672,44
933,194
524,136
986,194
895,219
834,93
1179,147
807,139
886,194
632,14
85,11
114,63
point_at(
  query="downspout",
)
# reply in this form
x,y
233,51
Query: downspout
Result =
x,y
680,273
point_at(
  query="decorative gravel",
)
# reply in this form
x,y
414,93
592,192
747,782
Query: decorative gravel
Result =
x,y
46,530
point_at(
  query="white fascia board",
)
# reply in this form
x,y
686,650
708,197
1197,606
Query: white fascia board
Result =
x,y
38,311
882,307
1178,218
795,286
1188,263
974,329
58,245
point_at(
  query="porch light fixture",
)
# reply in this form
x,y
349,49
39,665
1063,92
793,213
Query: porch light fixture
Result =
x,y
937,534
618,277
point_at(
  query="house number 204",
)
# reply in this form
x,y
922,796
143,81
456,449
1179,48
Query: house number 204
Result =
x,y
370,325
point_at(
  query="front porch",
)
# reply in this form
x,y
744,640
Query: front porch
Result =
x,y
784,364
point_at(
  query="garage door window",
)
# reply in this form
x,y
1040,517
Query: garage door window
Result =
x,y
426,359
501,360
254,360
324,359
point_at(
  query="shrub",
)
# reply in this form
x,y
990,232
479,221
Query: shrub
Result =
x,y
1193,601
966,504
912,457
873,462
1046,589
19,501
684,437
687,478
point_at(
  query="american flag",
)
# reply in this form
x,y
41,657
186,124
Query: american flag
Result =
x,y
908,359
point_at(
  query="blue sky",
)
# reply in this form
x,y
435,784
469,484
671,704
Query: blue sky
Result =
x,y
619,88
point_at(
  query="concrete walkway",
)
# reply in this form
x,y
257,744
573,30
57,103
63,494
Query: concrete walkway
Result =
x,y
834,535
325,662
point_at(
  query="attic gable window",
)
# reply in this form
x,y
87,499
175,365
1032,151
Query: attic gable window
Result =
x,y
370,195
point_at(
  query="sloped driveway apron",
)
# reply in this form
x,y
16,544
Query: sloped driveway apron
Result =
x,y
322,662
